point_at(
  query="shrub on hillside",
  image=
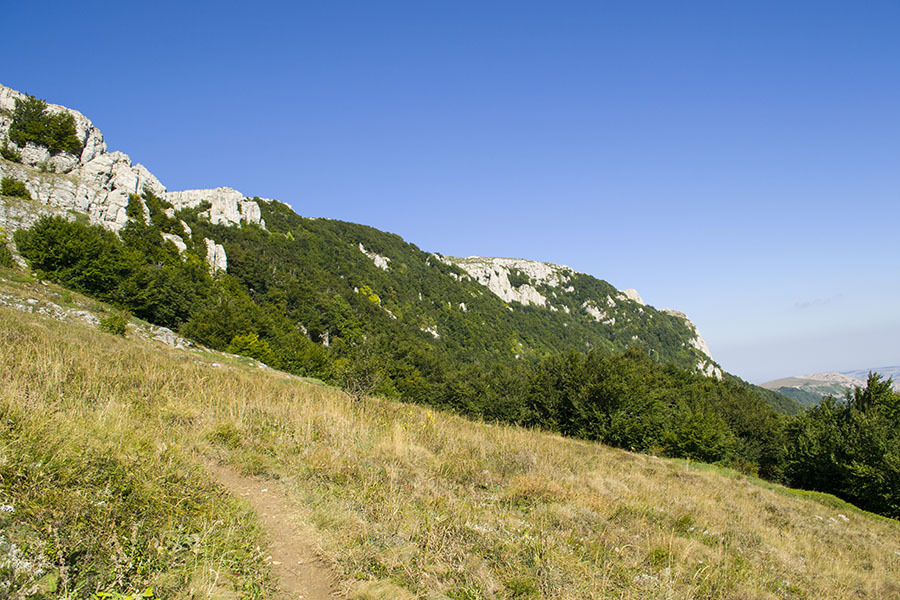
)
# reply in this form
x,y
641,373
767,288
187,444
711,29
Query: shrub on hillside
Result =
x,y
9,154
6,258
88,259
14,187
32,122
852,448
249,344
116,324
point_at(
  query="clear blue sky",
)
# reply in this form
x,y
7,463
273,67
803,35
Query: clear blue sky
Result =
x,y
738,161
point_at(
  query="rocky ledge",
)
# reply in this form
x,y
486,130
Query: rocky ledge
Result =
x,y
99,184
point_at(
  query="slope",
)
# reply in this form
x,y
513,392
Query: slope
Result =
x,y
101,436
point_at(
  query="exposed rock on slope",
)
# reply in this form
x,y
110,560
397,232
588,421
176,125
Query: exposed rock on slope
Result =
x,y
227,205
553,287
96,182
380,261
494,274
99,183
215,256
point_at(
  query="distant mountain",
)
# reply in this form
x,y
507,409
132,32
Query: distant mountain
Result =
x,y
886,372
811,388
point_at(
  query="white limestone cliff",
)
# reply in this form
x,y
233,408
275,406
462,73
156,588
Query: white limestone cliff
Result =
x,y
493,273
227,206
707,367
631,294
95,182
99,184
175,239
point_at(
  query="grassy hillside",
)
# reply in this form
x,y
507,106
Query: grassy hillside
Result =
x,y
101,438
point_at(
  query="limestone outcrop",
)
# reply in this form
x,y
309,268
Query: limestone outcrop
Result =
x,y
494,274
96,182
380,261
227,206
215,256
99,183
707,367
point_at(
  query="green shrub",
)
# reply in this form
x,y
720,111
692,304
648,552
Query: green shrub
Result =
x,y
6,259
250,345
10,154
32,122
116,323
14,187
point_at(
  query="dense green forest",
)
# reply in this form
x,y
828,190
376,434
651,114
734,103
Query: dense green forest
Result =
x,y
301,296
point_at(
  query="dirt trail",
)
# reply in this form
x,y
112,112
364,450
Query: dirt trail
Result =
x,y
301,574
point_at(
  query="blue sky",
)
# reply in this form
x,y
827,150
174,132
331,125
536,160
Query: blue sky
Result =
x,y
738,161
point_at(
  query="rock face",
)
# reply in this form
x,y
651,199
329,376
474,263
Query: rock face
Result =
x,y
494,274
227,205
380,261
96,182
215,256
632,294
99,184
708,368
179,243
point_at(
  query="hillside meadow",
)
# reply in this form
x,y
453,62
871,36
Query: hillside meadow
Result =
x,y
103,442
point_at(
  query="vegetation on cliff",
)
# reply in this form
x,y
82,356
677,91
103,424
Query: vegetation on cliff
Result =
x,y
34,123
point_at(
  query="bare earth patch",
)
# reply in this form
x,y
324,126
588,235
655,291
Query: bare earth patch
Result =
x,y
301,573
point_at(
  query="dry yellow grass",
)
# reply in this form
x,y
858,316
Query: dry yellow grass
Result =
x,y
399,495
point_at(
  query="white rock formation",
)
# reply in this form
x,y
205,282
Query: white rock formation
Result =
x,y
592,309
380,261
16,213
227,205
215,256
98,182
697,341
707,367
493,273
179,243
95,182
631,294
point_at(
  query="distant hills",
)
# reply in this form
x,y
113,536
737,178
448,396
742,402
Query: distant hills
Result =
x,y
811,388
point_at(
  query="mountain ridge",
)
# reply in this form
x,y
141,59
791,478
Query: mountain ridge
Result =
x,y
100,185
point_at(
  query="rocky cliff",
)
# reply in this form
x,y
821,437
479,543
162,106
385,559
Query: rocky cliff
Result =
x,y
98,183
